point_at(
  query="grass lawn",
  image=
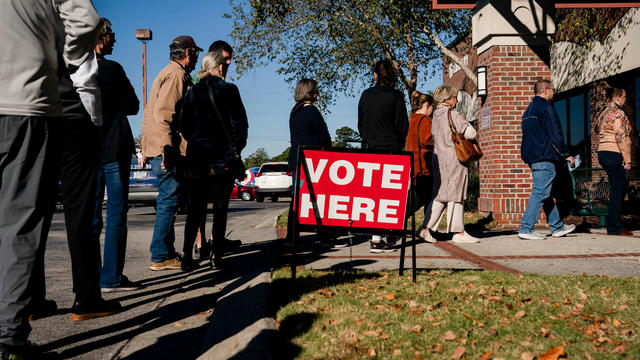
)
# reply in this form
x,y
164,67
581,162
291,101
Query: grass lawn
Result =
x,y
455,315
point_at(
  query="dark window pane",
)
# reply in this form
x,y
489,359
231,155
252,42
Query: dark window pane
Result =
x,y
561,108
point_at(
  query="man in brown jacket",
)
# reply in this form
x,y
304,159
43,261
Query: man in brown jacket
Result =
x,y
163,146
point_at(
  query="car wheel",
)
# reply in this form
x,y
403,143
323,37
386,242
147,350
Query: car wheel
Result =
x,y
259,198
246,195
274,199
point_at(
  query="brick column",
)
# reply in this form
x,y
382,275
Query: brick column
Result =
x,y
505,181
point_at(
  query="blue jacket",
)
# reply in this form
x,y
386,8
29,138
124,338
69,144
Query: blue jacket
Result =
x,y
542,138
306,127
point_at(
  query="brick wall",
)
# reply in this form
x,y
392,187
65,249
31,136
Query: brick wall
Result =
x,y
505,181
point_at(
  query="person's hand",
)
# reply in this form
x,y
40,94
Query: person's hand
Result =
x,y
627,166
570,160
142,160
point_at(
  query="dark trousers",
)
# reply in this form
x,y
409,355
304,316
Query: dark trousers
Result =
x,y
199,190
612,164
27,192
423,193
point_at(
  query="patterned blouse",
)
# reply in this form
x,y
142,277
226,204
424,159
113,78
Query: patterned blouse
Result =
x,y
614,130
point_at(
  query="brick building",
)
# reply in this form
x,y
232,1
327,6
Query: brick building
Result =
x,y
516,41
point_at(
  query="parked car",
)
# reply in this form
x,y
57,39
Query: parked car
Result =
x,y
143,184
244,192
273,180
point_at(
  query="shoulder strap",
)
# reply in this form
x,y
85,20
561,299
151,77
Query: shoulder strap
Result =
x,y
451,124
419,146
222,124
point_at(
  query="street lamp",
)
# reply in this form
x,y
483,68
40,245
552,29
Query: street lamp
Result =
x,y
482,80
144,35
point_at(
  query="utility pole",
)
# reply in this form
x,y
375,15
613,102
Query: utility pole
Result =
x,y
144,35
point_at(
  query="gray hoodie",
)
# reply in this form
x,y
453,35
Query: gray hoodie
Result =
x,y
39,38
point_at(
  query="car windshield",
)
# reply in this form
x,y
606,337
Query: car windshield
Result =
x,y
267,168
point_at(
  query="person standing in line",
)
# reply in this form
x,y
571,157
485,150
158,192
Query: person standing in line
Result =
x,y
382,122
203,247
213,120
542,147
38,40
117,147
420,142
451,178
165,148
306,127
614,155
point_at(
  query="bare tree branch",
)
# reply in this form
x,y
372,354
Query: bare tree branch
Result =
x,y
448,53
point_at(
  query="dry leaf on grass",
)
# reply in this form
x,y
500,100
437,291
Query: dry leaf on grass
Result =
x,y
449,336
325,292
391,296
620,349
617,322
527,356
432,284
416,328
486,356
397,352
553,354
371,333
544,332
458,352
520,314
372,352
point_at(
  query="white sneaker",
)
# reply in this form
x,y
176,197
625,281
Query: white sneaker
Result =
x,y
532,236
464,238
564,231
425,234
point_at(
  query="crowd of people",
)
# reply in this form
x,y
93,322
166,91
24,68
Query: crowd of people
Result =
x,y
63,114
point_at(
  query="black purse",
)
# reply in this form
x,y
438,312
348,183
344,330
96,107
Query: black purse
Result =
x,y
235,165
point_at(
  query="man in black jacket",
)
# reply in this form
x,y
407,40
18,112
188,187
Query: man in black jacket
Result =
x,y
214,134
117,145
383,122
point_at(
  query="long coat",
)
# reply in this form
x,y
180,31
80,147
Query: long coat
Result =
x,y
451,177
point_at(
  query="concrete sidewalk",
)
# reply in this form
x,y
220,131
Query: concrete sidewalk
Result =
x,y
224,314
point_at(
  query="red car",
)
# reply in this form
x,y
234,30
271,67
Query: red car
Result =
x,y
244,192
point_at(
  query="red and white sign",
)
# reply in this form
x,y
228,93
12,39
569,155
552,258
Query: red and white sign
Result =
x,y
368,189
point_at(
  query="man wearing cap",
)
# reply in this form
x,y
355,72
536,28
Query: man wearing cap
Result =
x,y
163,146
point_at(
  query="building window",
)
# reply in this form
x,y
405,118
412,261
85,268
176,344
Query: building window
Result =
x,y
574,112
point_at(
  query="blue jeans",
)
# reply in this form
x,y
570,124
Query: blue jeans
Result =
x,y
612,164
115,176
167,203
543,174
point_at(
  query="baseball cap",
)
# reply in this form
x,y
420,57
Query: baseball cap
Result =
x,y
183,42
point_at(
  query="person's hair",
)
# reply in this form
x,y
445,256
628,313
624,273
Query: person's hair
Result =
x,y
613,92
541,85
106,24
305,89
387,75
210,61
418,99
178,54
221,45
443,93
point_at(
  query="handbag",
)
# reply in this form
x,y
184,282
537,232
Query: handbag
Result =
x,y
235,165
466,150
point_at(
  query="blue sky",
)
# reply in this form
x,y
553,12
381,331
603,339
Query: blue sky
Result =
x,y
267,98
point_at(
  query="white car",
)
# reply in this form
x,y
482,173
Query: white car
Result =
x,y
274,180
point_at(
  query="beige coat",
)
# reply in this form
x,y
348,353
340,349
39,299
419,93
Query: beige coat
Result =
x,y
160,117
451,177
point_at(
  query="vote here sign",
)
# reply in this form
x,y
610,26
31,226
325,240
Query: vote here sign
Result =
x,y
368,189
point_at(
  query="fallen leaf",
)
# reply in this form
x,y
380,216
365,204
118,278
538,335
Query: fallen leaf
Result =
x,y
416,328
397,352
511,291
486,356
617,322
495,298
366,304
520,314
544,332
432,284
553,354
372,352
623,307
413,303
527,356
458,352
371,333
526,343
325,292
437,348
391,296
449,336
620,349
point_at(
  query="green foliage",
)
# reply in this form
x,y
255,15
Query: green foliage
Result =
x,y
336,41
344,136
257,158
284,156
583,26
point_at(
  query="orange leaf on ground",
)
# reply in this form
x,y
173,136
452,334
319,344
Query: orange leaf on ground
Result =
x,y
372,352
527,356
397,352
520,314
544,332
325,292
449,336
416,328
620,349
458,352
391,296
617,322
553,354
486,356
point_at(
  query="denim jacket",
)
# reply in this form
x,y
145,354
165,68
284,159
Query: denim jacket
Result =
x,y
542,138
